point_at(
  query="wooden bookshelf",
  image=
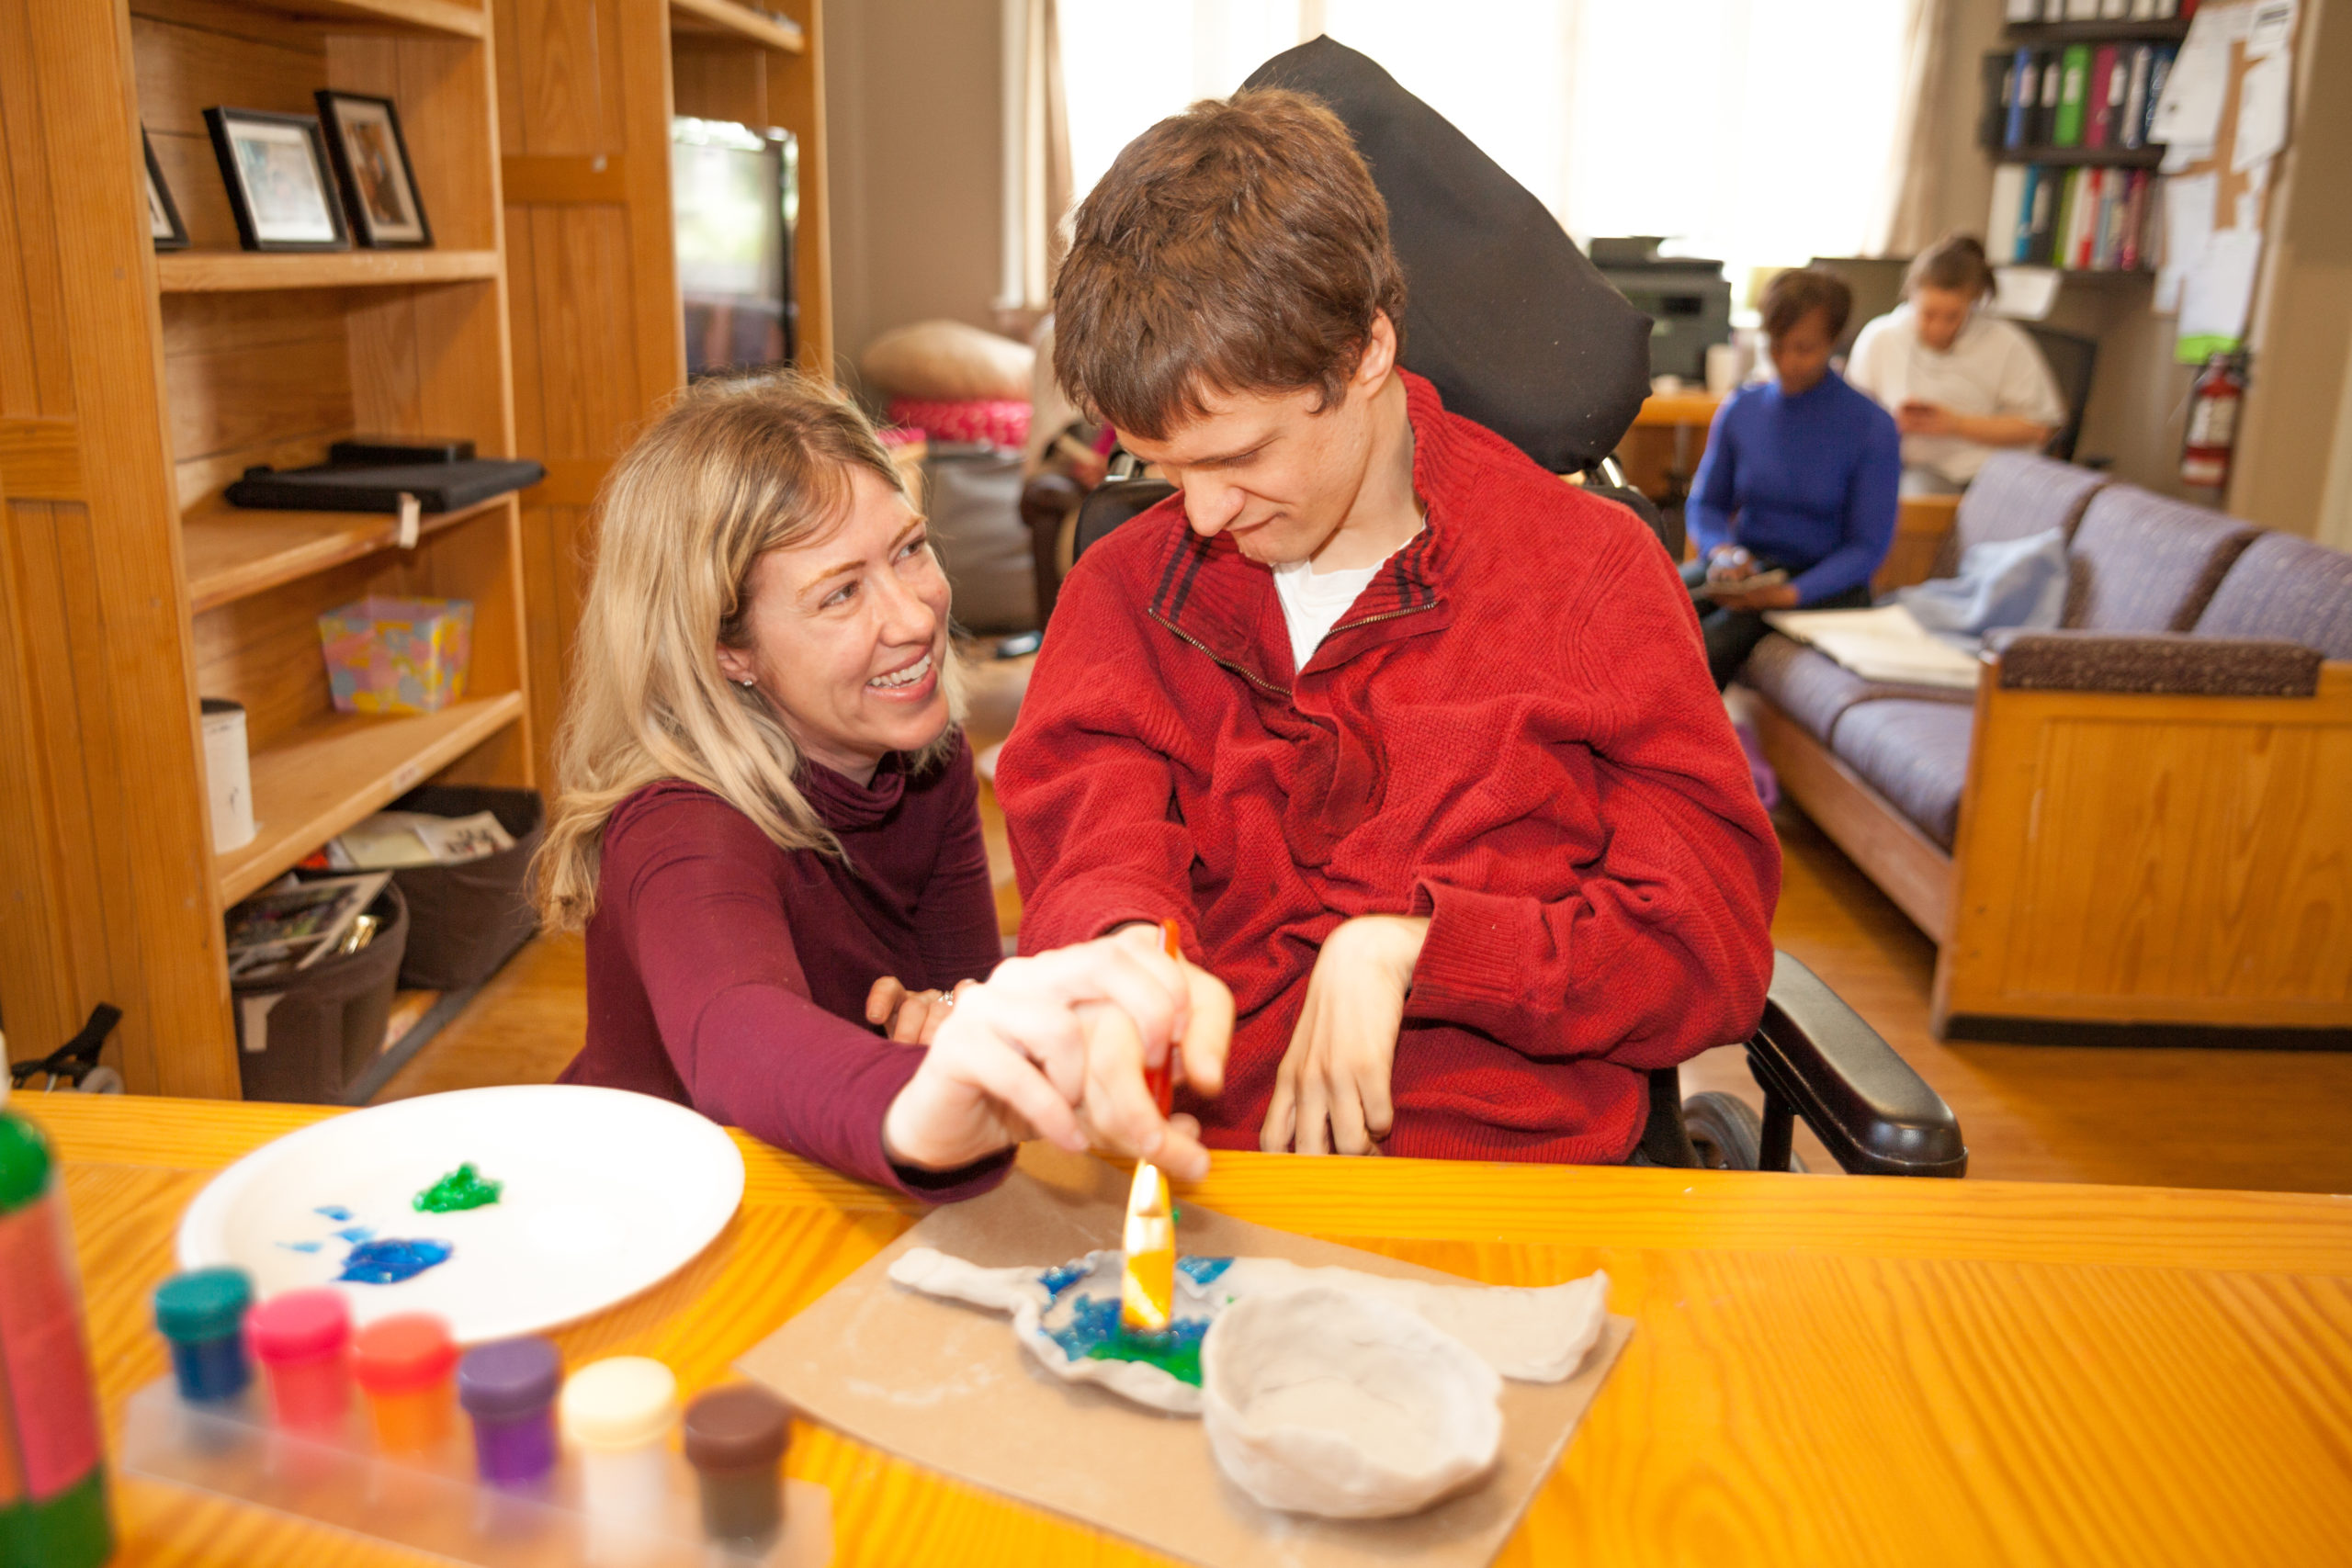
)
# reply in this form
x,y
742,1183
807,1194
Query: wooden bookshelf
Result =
x,y
146,383
229,272
319,778
597,322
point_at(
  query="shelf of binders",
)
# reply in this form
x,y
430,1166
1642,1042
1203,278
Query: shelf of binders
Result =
x,y
2028,34
2103,157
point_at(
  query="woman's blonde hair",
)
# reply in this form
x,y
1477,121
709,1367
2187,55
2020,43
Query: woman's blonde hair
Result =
x,y
733,469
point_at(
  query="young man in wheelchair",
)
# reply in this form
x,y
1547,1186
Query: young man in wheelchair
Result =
x,y
1416,742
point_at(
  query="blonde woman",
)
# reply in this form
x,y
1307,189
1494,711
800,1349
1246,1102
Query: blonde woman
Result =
x,y
768,827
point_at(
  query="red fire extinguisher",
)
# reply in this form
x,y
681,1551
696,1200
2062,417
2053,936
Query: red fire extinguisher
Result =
x,y
2214,400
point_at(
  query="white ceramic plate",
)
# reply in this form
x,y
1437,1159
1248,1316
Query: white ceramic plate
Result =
x,y
607,1193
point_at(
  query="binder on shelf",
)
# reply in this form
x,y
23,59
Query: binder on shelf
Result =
x,y
2053,10
2021,11
2000,93
2132,123
2004,219
2044,115
2066,127
2114,10
2041,210
2082,10
2102,97
2023,84
2159,71
2135,220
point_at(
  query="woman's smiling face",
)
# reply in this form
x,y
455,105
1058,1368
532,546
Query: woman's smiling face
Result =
x,y
845,635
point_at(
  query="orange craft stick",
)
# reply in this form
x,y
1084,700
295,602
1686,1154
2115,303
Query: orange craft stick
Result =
x,y
1161,1079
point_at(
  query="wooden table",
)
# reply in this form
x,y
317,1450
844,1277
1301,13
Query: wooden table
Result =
x,y
1828,1371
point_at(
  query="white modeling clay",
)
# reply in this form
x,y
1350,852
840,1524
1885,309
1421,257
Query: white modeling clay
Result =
x,y
1530,1335
1343,1403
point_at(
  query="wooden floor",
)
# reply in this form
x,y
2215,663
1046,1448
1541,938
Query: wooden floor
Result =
x,y
2248,1119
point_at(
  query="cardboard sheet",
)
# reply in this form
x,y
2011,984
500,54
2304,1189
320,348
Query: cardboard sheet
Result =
x,y
947,1387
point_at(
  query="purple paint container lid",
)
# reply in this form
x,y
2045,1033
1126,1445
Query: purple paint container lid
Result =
x,y
510,1378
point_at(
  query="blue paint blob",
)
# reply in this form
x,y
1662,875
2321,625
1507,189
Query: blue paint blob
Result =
x,y
1204,1270
335,1212
301,1245
390,1261
1093,1334
357,1232
1056,1281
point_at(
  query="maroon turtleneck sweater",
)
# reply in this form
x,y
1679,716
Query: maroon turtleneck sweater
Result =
x,y
730,976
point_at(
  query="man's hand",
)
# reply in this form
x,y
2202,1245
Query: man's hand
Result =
x,y
1331,1092
910,1017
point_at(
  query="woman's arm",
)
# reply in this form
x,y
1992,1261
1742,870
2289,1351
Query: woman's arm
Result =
x,y
1713,489
1984,429
714,949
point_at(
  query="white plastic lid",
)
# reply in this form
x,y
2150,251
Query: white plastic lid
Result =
x,y
620,1402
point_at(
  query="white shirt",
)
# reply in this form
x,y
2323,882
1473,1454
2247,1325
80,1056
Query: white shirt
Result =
x,y
1991,369
1314,601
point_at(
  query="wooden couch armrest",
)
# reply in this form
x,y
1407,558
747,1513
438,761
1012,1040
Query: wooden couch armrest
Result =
x,y
2158,664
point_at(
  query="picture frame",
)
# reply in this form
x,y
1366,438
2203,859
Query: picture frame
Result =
x,y
163,223
281,188
371,160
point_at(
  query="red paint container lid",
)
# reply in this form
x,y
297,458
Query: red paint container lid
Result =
x,y
299,1326
404,1354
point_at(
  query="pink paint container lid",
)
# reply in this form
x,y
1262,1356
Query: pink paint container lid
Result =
x,y
299,1326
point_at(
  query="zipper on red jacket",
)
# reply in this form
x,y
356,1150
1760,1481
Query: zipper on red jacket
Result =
x,y
1250,676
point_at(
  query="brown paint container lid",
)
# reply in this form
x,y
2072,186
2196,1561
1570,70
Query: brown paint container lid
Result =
x,y
737,1427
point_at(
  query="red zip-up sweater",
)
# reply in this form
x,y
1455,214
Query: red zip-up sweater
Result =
x,y
1512,731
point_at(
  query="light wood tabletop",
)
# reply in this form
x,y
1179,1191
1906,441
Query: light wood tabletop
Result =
x,y
1827,1369
1697,406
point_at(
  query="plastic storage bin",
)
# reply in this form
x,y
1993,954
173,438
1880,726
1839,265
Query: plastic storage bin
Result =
x,y
398,655
307,1037
464,919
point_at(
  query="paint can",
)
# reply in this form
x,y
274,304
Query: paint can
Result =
x,y
228,774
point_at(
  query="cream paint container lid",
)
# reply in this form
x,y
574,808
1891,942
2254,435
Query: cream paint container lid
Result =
x,y
619,1404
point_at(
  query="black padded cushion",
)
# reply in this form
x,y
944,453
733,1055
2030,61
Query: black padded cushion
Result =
x,y
1518,331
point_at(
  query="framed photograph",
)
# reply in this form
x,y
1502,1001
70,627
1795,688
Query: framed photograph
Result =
x,y
280,185
372,157
163,223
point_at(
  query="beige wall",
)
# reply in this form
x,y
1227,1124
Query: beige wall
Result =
x,y
915,158
2139,395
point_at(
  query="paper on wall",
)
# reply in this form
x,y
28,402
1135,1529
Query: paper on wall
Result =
x,y
2215,299
2188,223
2190,109
2272,24
2261,110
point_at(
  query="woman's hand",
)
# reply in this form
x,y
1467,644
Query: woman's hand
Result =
x,y
1056,1046
1729,563
1336,1074
1918,417
910,1017
1777,596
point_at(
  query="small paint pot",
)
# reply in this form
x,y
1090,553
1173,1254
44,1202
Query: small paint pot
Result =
x,y
403,1365
303,1339
735,1438
509,1389
616,1415
202,1314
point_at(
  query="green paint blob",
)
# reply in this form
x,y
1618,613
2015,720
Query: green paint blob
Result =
x,y
461,1189
1179,1358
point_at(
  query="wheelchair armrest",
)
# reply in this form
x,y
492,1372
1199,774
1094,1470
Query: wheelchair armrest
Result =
x,y
1875,1114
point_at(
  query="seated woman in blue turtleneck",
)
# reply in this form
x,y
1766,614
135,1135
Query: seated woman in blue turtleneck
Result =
x,y
1799,479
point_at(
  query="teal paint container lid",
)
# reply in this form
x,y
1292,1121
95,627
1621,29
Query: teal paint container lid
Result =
x,y
206,1303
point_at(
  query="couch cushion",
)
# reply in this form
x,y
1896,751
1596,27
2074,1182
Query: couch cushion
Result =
x,y
1813,688
2289,588
2015,495
2142,563
1913,752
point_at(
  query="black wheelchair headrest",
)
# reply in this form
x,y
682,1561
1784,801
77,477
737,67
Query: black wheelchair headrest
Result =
x,y
1502,313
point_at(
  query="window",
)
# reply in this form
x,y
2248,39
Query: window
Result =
x,y
1755,131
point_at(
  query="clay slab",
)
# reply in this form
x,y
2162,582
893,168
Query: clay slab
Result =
x,y
945,1386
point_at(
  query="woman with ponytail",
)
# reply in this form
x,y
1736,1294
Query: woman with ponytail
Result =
x,y
1961,382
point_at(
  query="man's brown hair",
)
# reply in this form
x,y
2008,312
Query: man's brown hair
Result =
x,y
1238,247
1797,293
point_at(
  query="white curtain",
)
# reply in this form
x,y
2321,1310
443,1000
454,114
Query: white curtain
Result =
x,y
1755,131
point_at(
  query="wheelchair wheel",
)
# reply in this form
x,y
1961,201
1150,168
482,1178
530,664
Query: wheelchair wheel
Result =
x,y
1727,1132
